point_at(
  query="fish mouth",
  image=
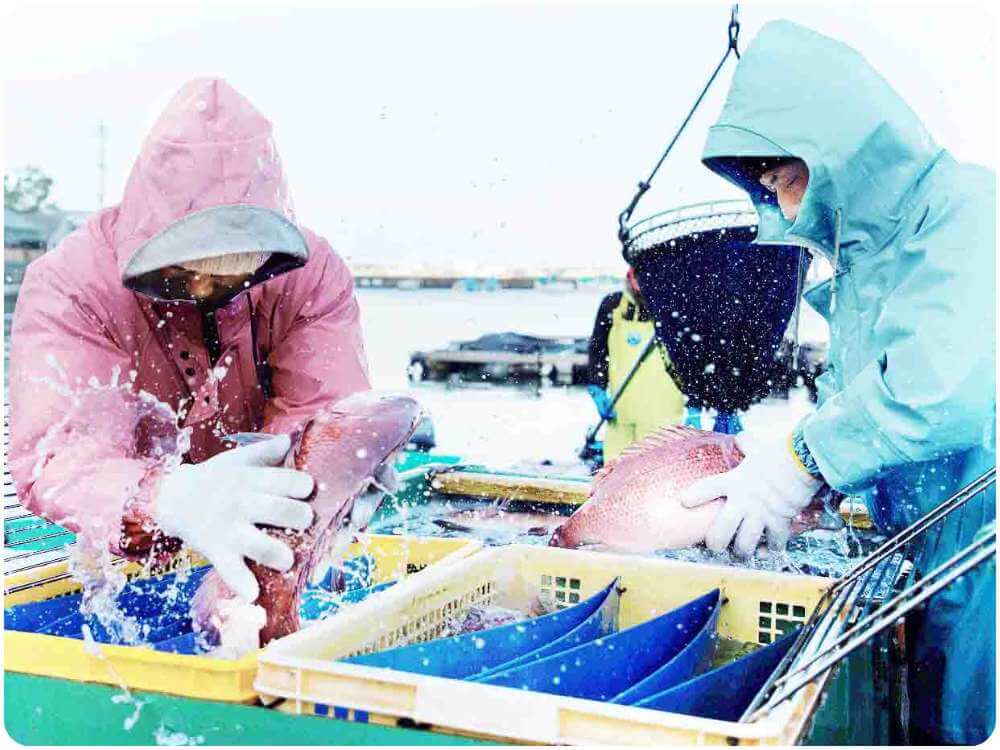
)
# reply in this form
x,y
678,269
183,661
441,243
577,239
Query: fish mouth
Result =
x,y
556,540
559,539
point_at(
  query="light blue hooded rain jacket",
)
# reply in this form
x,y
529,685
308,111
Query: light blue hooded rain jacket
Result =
x,y
906,412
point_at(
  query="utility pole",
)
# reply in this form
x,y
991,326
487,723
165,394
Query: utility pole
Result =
x,y
102,137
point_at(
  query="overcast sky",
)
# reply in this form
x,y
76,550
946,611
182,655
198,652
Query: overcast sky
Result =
x,y
507,135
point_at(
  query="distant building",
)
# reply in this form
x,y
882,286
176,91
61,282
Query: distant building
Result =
x,y
28,234
41,229
29,230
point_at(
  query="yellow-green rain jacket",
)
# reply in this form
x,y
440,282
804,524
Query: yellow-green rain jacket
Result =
x,y
652,398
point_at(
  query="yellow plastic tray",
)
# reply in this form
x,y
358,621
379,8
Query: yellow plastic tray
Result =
x,y
180,674
303,670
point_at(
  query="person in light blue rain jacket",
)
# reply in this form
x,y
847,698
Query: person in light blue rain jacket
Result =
x,y
836,162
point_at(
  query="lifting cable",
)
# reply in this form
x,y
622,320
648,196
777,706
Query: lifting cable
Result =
x,y
626,215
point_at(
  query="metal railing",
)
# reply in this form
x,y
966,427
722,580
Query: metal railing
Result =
x,y
878,592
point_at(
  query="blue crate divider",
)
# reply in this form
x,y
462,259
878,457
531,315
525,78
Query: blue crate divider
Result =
x,y
692,659
608,666
470,654
602,622
723,693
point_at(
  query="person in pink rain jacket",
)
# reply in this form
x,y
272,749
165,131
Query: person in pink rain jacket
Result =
x,y
201,290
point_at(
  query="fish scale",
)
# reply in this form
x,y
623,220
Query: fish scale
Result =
x,y
634,503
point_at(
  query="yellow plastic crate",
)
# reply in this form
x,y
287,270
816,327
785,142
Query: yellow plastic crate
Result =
x,y
303,668
181,674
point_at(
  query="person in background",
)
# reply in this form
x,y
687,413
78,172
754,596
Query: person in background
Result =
x,y
204,292
652,398
835,161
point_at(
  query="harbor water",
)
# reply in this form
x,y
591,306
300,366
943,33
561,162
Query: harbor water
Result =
x,y
502,425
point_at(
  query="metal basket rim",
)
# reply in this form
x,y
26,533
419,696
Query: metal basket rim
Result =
x,y
727,214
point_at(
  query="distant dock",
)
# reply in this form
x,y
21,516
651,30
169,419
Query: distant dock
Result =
x,y
368,276
506,357
478,283
561,368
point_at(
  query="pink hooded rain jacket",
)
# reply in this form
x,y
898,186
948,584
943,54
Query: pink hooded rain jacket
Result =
x,y
207,182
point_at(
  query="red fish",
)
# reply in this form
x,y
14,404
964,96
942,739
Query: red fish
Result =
x,y
634,504
342,447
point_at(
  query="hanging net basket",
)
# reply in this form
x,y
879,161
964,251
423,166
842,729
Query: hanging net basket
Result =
x,y
721,304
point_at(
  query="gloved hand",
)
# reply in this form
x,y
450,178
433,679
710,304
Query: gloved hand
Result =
x,y
214,506
763,494
602,401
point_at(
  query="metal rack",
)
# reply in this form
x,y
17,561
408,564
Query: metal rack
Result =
x,y
876,594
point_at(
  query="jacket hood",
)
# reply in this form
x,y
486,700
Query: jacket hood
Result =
x,y
796,93
208,182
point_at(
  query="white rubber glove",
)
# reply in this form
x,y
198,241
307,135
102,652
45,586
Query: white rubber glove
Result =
x,y
214,506
763,494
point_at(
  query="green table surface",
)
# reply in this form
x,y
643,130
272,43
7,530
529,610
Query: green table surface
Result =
x,y
46,711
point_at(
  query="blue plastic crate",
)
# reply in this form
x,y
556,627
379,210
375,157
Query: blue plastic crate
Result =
x,y
161,607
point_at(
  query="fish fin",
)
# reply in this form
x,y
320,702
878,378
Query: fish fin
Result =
x,y
661,437
656,439
295,438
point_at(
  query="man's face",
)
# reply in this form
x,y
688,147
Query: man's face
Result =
x,y
182,283
788,182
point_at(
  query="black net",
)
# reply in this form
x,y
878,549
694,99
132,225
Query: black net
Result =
x,y
721,304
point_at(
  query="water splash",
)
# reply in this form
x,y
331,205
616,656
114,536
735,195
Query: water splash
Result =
x,y
127,697
817,552
93,648
165,736
238,624
102,581
102,421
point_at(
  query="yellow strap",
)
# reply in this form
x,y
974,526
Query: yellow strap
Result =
x,y
795,456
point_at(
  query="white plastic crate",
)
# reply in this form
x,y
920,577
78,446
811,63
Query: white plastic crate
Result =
x,y
303,669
